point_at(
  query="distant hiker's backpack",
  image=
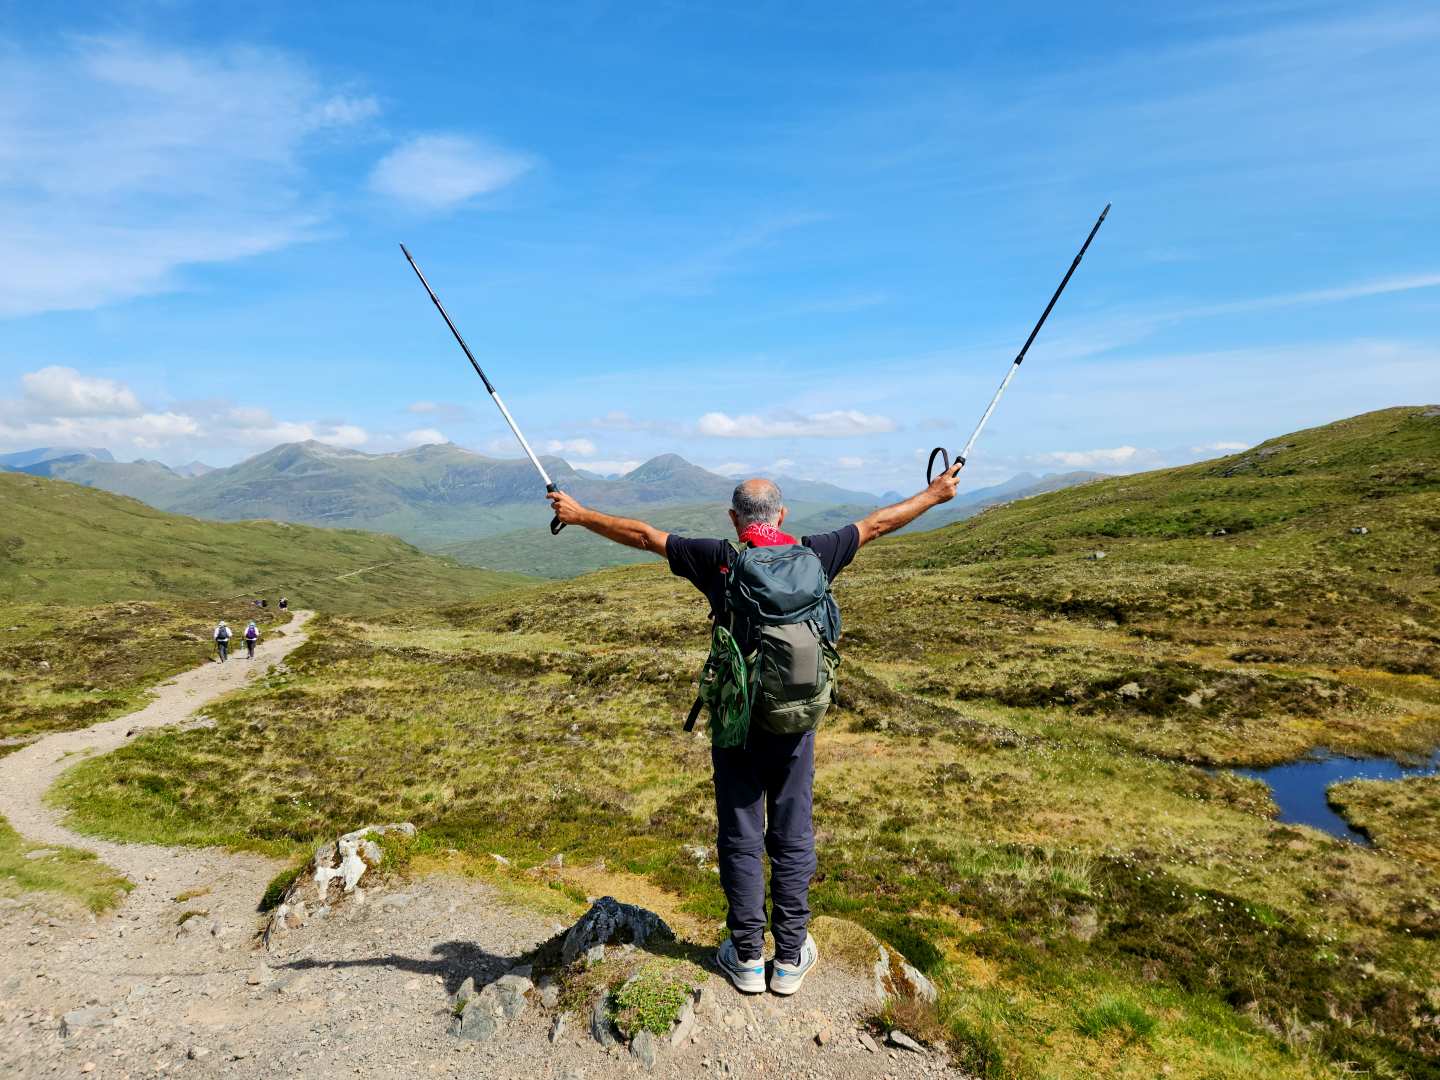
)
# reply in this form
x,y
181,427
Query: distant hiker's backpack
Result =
x,y
251,633
772,649
222,634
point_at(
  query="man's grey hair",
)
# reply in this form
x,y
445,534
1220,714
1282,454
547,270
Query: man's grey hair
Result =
x,y
756,500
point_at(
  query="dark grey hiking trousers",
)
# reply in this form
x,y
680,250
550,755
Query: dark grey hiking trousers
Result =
x,y
763,797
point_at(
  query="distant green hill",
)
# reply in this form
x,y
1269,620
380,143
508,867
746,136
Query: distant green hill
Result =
x,y
433,495
63,543
576,551
149,481
1289,504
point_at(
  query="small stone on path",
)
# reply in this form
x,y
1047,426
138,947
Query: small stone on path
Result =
x,y
643,1047
868,1043
898,1038
88,1017
600,1026
476,1021
684,1025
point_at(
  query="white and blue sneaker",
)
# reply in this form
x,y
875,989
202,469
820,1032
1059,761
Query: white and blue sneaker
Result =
x,y
786,978
747,975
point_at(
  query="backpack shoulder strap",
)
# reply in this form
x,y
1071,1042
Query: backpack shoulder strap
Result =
x,y
737,549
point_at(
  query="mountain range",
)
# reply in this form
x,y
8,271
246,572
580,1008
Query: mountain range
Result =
x,y
484,511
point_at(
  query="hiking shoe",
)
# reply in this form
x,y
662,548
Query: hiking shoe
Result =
x,y
747,975
786,978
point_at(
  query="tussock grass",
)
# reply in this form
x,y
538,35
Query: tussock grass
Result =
x,y
1115,1014
1402,816
74,876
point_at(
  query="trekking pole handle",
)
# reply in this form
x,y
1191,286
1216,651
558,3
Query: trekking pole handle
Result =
x,y
945,466
555,523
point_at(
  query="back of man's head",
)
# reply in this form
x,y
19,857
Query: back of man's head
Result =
x,y
755,501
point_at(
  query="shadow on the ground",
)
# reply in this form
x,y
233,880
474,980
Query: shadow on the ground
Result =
x,y
453,961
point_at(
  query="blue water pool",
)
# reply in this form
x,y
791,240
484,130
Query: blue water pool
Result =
x,y
1298,787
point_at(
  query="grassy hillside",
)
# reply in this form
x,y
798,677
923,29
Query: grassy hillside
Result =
x,y
149,481
993,795
62,543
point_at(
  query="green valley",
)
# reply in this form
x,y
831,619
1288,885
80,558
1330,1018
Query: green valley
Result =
x,y
1024,785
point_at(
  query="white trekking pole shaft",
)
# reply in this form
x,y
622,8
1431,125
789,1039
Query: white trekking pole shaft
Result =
x,y
964,455
556,524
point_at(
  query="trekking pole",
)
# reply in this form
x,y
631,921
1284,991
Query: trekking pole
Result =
x,y
964,454
555,523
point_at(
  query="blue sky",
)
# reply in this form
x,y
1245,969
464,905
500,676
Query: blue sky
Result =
x,y
797,237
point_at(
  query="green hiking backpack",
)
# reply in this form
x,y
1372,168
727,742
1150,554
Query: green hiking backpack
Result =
x,y
772,649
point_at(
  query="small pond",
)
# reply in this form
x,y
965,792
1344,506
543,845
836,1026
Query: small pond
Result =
x,y
1298,787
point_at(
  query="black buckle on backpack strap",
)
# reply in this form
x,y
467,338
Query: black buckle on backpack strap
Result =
x,y
694,714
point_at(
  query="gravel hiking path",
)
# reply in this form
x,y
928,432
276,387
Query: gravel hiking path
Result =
x,y
146,992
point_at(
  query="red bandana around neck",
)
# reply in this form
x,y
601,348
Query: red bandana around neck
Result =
x,y
763,534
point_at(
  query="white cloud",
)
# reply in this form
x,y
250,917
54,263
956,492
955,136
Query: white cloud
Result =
x,y
439,172
425,436
582,447
63,391
440,410
257,428
147,431
730,468
850,462
619,420
842,423
1089,459
343,111
609,468
1222,447
62,407
123,161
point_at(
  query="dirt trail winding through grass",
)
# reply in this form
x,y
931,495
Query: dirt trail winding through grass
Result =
x,y
232,881
27,774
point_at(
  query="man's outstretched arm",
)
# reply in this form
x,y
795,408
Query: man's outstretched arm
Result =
x,y
628,531
889,518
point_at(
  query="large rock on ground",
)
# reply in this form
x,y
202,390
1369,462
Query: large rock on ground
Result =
x,y
896,977
850,945
349,857
609,922
345,861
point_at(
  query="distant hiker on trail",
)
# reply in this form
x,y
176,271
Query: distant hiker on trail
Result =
x,y
222,640
252,635
767,683
284,604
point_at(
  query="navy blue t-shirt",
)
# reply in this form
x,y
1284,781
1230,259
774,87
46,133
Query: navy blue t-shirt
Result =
x,y
699,561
